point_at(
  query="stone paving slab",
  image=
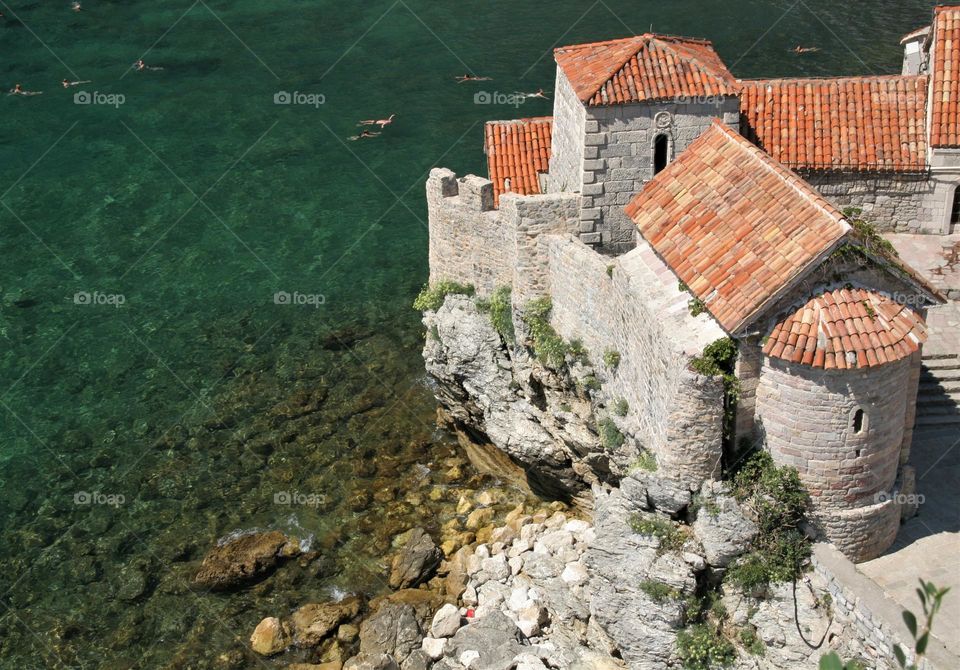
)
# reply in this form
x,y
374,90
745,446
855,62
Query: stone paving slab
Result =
x,y
936,257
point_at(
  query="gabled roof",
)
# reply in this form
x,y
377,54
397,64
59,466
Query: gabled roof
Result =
x,y
945,66
517,151
850,123
847,328
645,67
734,225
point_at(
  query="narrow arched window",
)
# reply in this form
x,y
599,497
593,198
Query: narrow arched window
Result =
x,y
661,147
858,421
955,207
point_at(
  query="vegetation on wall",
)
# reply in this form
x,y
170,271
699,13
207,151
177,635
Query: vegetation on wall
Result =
x,y
611,358
610,436
500,308
431,297
670,535
548,346
703,647
695,304
621,407
718,360
779,502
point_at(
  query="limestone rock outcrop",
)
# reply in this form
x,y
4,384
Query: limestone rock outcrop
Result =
x,y
243,559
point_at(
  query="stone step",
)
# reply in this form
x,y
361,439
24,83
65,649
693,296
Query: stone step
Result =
x,y
944,376
939,386
942,362
930,420
938,408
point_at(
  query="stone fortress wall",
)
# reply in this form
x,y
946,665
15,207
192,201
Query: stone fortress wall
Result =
x,y
630,304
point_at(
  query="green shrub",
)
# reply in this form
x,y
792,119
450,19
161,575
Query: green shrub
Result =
x,y
576,349
610,271
621,407
610,436
646,461
751,641
779,502
548,347
670,536
718,360
696,306
658,591
431,297
611,359
501,313
702,647
590,382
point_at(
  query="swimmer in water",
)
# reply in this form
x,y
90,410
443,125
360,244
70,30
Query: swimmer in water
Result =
x,y
804,50
470,77
363,135
383,123
18,90
75,6
140,66
67,84
538,94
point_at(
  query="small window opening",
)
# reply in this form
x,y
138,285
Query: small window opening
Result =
x,y
660,147
858,421
955,207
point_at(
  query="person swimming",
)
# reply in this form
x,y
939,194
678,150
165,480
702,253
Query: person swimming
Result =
x,y
538,94
363,135
804,50
75,6
140,66
383,123
18,90
471,77
67,83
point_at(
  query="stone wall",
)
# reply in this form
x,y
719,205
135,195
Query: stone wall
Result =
x,y
622,305
807,416
898,203
472,243
618,158
859,603
566,153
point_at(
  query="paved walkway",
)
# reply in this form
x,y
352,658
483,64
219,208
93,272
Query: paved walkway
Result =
x,y
928,545
936,257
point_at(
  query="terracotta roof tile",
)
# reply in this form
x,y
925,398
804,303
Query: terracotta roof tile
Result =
x,y
847,328
517,151
645,67
945,65
860,123
746,212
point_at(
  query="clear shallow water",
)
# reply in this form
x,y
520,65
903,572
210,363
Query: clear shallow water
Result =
x,y
198,399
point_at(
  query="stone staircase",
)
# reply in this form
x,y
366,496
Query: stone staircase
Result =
x,y
938,398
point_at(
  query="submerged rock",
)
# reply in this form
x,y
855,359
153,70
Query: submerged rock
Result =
x,y
269,637
243,559
417,561
313,622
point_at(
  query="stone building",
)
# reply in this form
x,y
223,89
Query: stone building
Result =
x,y
667,205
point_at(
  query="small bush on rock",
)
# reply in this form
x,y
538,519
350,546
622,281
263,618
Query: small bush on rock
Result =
x,y
501,313
702,647
611,359
621,407
610,435
670,536
646,461
431,298
548,346
658,591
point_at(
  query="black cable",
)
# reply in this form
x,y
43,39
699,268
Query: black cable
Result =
x,y
796,620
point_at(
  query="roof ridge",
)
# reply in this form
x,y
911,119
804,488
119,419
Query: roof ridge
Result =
x,y
939,9
526,119
641,36
850,77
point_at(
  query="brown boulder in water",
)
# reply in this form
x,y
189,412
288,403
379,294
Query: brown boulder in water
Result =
x,y
314,622
416,562
243,559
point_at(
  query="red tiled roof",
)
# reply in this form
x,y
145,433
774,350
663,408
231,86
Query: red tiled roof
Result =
x,y
517,151
945,65
847,328
645,67
733,224
861,123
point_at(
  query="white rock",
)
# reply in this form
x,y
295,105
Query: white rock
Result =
x,y
434,647
497,567
554,542
482,550
531,531
518,547
474,563
532,619
576,526
556,521
518,599
446,622
695,561
468,657
575,573
469,596
516,564
528,662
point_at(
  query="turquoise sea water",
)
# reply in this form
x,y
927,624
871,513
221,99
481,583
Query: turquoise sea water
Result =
x,y
154,395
